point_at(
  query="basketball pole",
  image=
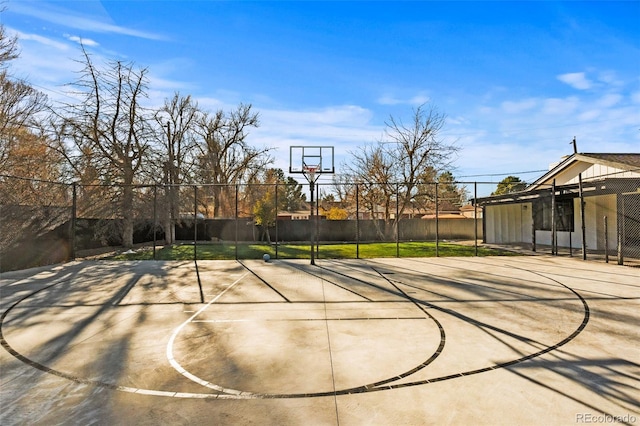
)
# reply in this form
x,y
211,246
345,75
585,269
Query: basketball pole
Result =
x,y
312,217
310,175
308,160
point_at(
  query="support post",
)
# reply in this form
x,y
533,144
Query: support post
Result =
x,y
570,244
312,187
475,218
276,199
317,220
357,221
236,213
195,223
155,219
553,218
437,224
582,224
620,230
74,219
606,241
533,235
397,220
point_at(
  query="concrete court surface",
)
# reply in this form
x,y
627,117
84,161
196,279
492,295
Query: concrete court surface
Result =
x,y
441,341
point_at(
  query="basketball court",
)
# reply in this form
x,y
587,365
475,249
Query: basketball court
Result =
x,y
495,340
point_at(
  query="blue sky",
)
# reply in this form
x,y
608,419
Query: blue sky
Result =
x,y
516,80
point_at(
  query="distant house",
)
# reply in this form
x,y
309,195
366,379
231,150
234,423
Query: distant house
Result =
x,y
470,211
611,190
444,215
294,215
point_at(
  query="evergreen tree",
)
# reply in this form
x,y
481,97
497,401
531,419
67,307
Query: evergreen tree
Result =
x,y
509,184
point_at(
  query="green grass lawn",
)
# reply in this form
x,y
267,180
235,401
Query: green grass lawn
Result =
x,y
219,251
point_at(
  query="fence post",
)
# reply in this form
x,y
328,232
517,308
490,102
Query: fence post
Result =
x,y
437,224
570,244
475,218
621,231
195,222
584,229
357,221
620,255
74,217
236,213
533,235
606,241
276,197
317,220
397,220
553,218
155,218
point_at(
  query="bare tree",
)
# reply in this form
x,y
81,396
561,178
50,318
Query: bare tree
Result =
x,y
177,119
109,129
399,164
24,147
224,155
8,46
376,182
19,106
32,203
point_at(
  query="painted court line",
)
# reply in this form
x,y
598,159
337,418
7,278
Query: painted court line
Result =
x,y
308,319
176,365
236,394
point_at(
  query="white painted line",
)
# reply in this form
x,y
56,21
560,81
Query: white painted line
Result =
x,y
194,395
176,365
154,392
182,394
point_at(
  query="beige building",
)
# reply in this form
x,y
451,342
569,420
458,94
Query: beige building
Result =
x,y
610,185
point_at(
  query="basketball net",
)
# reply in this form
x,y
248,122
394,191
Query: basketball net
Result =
x,y
310,172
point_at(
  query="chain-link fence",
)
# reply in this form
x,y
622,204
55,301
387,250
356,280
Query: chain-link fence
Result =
x,y
35,223
595,219
44,222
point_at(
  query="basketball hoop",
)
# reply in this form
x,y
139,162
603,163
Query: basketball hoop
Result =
x,y
311,161
310,172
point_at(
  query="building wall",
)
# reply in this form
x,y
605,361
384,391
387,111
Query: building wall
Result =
x,y
596,208
508,223
593,171
512,223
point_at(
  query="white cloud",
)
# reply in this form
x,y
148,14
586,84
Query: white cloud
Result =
x,y
589,115
45,63
511,107
511,134
609,100
419,100
415,100
22,37
70,19
209,103
560,106
577,80
610,78
388,100
81,40
458,120
344,127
